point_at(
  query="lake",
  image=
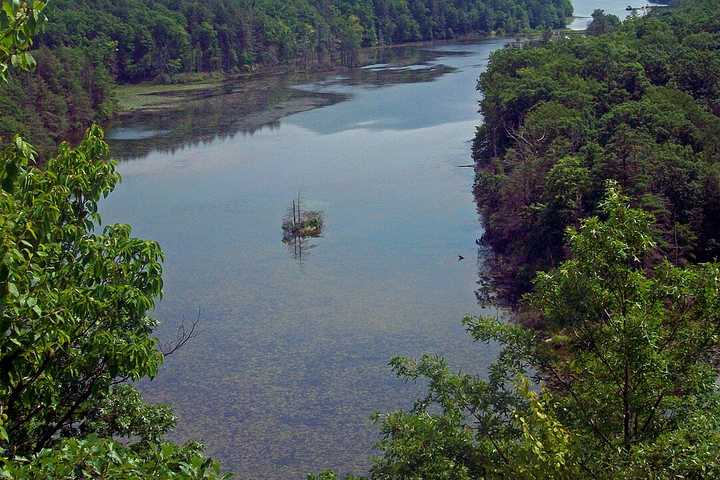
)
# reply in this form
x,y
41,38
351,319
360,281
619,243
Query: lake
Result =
x,y
291,356
583,10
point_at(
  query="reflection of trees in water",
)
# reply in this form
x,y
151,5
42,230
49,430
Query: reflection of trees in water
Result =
x,y
200,121
494,287
246,107
300,247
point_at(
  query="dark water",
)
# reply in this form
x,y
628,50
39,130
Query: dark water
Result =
x,y
292,355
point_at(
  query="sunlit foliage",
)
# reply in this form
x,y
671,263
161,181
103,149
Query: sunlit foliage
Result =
x,y
620,383
638,105
73,318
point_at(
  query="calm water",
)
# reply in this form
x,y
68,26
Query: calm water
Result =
x,y
583,9
292,356
291,359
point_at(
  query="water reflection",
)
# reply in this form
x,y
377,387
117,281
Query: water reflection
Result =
x,y
583,10
292,359
248,107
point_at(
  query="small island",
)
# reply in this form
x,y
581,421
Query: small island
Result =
x,y
299,223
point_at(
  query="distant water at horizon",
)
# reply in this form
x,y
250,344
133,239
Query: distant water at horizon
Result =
x,y
583,10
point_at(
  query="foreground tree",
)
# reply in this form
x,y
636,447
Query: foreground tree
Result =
x,y
73,315
20,21
622,383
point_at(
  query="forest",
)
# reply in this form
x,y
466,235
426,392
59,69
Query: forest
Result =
x,y
89,45
638,103
598,184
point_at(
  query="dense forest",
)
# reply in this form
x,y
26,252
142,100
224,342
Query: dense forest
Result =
x,y
68,91
89,45
638,103
619,383
159,38
598,179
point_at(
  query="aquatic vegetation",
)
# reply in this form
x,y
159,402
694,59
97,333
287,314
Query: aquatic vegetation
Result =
x,y
299,223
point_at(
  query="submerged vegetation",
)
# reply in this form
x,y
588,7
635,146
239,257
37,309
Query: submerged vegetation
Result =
x,y
598,176
620,383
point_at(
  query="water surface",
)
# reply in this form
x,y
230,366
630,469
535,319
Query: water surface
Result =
x,y
583,10
292,355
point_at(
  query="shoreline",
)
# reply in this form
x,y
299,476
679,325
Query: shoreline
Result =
x,y
148,97
263,98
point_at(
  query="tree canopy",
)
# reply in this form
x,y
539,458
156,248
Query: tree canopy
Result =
x,y
87,46
164,37
638,105
597,179
618,383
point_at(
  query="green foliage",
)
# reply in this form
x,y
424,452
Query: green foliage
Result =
x,y
602,23
73,319
74,324
563,117
90,44
73,302
160,38
66,93
123,413
70,91
20,21
623,383
102,458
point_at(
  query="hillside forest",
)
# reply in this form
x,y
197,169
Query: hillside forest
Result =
x,y
638,103
597,178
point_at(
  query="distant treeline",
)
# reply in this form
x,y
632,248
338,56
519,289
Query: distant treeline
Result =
x,y
638,103
156,38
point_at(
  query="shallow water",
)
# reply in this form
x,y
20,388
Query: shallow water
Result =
x,y
292,355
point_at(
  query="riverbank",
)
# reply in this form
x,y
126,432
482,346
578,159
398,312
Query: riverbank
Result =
x,y
179,114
